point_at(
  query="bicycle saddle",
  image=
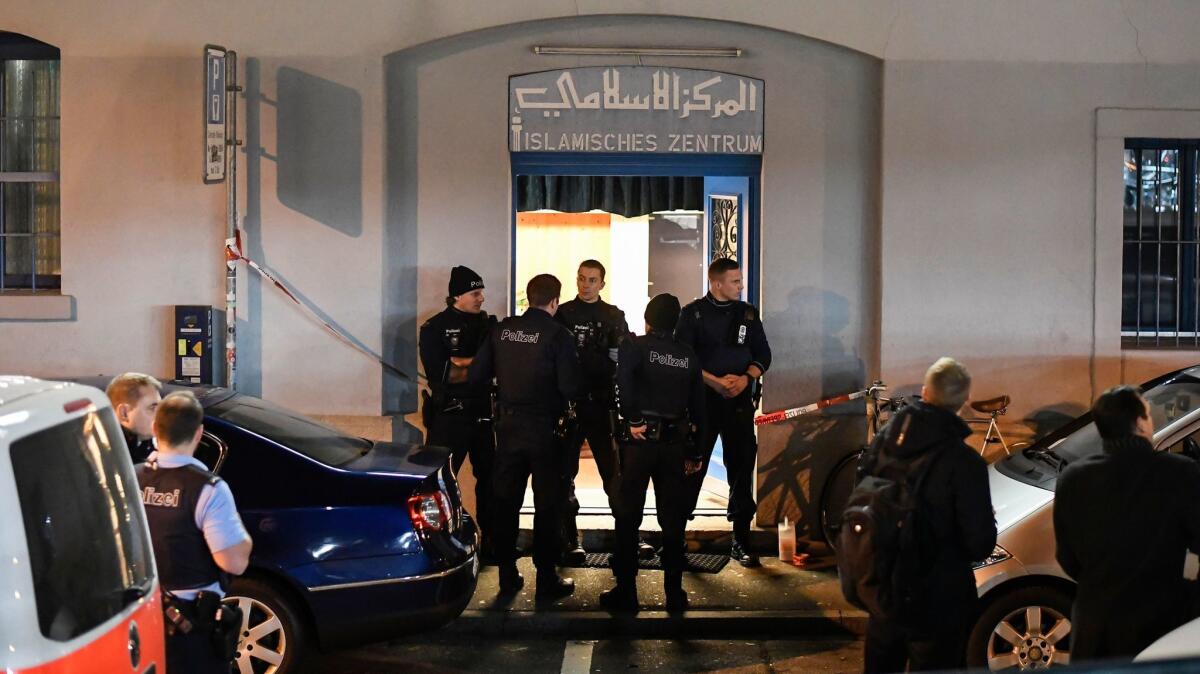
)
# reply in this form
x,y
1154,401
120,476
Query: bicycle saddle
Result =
x,y
991,405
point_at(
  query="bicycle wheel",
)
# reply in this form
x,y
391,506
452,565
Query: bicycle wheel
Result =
x,y
835,493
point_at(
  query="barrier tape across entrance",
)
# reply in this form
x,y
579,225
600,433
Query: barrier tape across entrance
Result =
x,y
792,413
233,253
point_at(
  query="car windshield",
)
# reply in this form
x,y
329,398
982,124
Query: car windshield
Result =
x,y
1169,402
1171,398
291,429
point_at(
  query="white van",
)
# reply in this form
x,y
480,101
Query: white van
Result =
x,y
78,588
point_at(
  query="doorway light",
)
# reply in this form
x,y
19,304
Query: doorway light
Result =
x,y
700,52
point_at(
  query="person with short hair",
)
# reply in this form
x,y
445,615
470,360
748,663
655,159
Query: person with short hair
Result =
x,y
732,347
599,329
532,358
196,532
954,527
661,396
457,413
135,397
1124,521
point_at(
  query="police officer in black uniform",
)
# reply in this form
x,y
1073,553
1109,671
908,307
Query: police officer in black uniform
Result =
x,y
733,350
661,393
135,397
533,359
457,413
198,539
599,328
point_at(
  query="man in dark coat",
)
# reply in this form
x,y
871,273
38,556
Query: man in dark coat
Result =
x,y
955,526
1124,520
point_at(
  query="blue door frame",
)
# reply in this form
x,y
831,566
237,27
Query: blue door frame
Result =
x,y
644,164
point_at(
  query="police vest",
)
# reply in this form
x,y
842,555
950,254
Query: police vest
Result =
x,y
180,552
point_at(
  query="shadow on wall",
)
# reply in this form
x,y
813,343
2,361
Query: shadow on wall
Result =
x,y
319,151
790,481
319,174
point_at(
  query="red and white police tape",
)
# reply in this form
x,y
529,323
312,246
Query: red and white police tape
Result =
x,y
233,253
784,415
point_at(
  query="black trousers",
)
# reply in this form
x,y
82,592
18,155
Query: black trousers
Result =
x,y
641,463
732,419
193,653
466,435
891,647
595,426
527,446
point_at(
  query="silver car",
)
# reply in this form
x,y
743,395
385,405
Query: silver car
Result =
x,y
1025,621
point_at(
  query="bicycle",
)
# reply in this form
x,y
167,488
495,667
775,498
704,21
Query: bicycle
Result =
x,y
993,407
841,480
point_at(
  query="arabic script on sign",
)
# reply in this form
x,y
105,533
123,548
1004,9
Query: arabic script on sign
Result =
x,y
665,94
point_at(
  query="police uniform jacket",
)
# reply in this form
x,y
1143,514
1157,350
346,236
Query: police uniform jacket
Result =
x,y
728,336
180,551
138,449
457,334
597,326
533,359
659,377
190,513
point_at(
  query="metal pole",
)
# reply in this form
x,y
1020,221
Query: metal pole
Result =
x,y
231,142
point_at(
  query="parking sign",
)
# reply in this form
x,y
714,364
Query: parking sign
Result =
x,y
214,114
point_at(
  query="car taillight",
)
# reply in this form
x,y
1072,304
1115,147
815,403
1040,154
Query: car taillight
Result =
x,y
429,511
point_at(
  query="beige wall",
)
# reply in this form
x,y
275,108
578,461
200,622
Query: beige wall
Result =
x,y
990,226
140,231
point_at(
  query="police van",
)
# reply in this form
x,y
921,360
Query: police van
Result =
x,y
78,588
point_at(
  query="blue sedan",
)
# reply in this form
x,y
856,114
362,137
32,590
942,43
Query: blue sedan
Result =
x,y
354,540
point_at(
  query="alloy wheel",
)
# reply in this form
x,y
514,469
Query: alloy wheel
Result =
x,y
1029,638
262,642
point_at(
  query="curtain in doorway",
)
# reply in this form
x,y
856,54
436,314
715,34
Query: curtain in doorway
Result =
x,y
629,196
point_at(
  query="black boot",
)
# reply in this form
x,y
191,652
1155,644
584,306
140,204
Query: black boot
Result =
x,y
677,597
573,552
621,598
552,587
740,551
645,550
511,580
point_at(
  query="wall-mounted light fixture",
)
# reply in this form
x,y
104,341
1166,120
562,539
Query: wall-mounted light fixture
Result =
x,y
699,52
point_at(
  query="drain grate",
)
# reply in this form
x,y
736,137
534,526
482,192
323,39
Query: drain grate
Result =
x,y
696,562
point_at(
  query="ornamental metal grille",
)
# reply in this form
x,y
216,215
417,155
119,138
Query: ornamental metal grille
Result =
x,y
724,227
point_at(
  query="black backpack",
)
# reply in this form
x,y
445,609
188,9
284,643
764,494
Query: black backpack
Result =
x,y
878,554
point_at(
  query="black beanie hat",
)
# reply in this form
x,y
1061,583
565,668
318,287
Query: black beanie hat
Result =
x,y
662,313
464,280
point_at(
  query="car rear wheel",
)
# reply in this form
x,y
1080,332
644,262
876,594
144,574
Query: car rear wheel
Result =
x,y
1022,630
272,638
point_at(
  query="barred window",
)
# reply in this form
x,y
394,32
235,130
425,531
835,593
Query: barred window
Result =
x,y
29,165
1161,277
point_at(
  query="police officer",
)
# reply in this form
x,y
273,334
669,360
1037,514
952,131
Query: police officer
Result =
x,y
599,327
661,392
533,359
458,413
732,346
135,398
196,534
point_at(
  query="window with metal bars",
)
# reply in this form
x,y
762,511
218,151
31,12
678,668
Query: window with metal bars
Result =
x,y
30,259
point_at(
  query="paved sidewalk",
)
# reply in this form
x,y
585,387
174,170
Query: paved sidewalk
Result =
x,y
775,600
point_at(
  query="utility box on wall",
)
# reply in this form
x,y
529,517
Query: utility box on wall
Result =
x,y
196,360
